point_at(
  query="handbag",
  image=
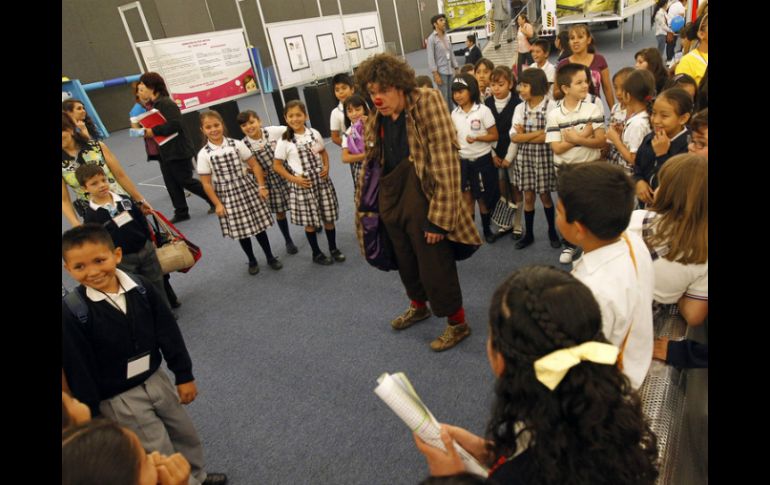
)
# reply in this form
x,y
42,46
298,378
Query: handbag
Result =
x,y
175,252
670,38
377,247
503,213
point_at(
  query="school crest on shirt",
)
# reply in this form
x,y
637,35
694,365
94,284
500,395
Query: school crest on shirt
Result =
x,y
475,125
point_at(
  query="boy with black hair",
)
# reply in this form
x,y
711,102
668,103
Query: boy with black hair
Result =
x,y
595,203
540,51
574,129
114,329
343,89
126,224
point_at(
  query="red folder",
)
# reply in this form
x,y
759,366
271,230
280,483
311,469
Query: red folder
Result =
x,y
151,119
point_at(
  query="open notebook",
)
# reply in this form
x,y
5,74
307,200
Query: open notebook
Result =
x,y
400,396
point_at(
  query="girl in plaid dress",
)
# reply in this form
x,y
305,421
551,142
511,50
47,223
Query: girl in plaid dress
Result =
x,y
638,92
356,112
238,201
533,169
301,159
262,140
617,117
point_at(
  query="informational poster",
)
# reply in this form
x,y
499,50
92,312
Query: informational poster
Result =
x,y
465,13
202,69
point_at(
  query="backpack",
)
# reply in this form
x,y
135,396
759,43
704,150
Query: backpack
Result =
x,y
77,305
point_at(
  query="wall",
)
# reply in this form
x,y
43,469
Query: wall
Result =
x,y
95,46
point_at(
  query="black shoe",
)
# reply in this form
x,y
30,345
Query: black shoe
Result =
x,y
555,243
516,234
253,268
497,46
212,210
275,264
510,40
523,243
179,218
338,256
319,229
323,259
291,248
175,304
489,237
215,479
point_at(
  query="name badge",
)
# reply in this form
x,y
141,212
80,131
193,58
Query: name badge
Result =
x,y
138,365
475,125
122,219
448,56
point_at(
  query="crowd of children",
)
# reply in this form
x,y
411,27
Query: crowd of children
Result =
x,y
630,198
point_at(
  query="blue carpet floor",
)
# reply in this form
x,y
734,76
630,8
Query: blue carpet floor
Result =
x,y
286,361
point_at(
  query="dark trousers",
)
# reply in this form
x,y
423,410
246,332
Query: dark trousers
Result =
x,y
145,262
178,175
523,58
670,50
428,271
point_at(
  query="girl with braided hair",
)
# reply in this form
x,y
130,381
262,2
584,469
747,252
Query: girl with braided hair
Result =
x,y
563,412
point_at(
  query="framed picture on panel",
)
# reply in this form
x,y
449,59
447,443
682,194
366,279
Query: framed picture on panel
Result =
x,y
295,48
326,46
369,36
352,40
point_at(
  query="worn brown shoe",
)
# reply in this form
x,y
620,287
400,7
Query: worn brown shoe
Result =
x,y
411,316
452,336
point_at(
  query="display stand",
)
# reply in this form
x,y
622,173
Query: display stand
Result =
x,y
192,124
279,96
320,101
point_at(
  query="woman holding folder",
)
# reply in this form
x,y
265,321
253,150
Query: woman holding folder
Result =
x,y
176,154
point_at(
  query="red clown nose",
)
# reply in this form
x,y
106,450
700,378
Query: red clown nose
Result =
x,y
378,102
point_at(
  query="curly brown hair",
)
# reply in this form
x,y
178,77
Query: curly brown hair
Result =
x,y
386,70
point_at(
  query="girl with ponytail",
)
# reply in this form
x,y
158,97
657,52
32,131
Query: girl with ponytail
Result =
x,y
638,95
563,411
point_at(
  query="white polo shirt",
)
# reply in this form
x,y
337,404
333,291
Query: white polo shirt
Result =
x,y
204,160
287,151
635,129
274,133
674,280
474,123
337,119
624,295
561,118
519,111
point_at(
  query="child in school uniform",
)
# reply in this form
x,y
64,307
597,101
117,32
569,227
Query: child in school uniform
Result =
x,y
261,140
476,131
238,200
596,200
637,92
670,115
116,333
126,224
343,89
353,149
617,117
482,71
533,170
574,129
540,51
301,159
503,101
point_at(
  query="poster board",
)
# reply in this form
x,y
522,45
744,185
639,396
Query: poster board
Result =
x,y
316,48
465,13
204,69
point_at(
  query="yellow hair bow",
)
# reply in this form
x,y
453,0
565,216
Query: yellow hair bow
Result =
x,y
552,368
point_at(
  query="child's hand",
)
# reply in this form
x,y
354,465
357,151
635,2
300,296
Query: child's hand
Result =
x,y
505,163
220,210
661,143
519,129
613,136
497,161
660,349
473,444
470,139
324,172
587,131
172,470
303,182
569,135
263,192
441,463
644,192
187,392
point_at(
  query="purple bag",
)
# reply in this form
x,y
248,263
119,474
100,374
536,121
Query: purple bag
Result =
x,y
356,138
378,250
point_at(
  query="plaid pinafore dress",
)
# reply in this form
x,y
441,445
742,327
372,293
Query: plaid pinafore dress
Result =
x,y
317,204
278,199
533,169
617,118
246,214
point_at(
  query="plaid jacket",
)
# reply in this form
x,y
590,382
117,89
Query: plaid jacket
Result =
x,y
433,150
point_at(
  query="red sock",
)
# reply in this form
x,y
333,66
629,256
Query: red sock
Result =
x,y
418,304
458,317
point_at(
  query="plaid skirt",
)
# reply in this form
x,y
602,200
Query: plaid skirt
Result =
x,y
533,169
615,158
315,205
278,197
355,171
246,214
